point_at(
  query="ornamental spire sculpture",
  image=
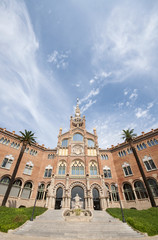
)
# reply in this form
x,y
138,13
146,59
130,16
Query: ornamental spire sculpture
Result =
x,y
77,111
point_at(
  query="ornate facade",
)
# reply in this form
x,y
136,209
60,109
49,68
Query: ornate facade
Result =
x,y
78,165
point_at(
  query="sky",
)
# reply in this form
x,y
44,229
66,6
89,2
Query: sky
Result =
x,y
103,52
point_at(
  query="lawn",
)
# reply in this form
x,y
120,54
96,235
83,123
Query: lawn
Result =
x,y
11,218
142,220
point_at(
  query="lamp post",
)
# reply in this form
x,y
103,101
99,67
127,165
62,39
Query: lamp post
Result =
x,y
31,219
123,218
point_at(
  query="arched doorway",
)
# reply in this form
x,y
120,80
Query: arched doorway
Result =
x,y
59,197
80,192
96,199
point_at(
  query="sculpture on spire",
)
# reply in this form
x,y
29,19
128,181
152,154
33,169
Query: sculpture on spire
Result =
x,y
77,111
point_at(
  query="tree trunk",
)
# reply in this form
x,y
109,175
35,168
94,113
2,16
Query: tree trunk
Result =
x,y
153,204
13,175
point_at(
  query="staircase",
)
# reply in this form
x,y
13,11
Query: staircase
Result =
x,y
51,224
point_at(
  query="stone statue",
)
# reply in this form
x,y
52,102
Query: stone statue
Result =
x,y
77,201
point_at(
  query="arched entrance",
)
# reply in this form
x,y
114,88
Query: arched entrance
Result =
x,y
80,192
59,196
96,199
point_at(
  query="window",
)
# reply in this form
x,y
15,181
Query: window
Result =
x,y
4,141
154,187
40,192
4,184
77,137
149,163
127,169
90,143
114,193
15,191
48,171
26,150
141,146
104,157
149,144
7,161
129,150
108,192
122,153
77,168
62,168
15,145
128,192
140,190
155,141
51,156
107,172
33,152
46,192
93,168
28,168
64,143
27,190
152,142
1,140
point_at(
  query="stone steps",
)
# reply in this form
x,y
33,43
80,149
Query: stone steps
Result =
x,y
52,224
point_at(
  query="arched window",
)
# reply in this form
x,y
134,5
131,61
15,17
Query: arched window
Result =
x,y
107,172
7,161
15,191
155,141
45,196
62,168
64,143
90,143
149,163
129,150
27,190
48,171
40,192
4,142
154,187
12,144
108,192
127,169
28,168
140,190
51,156
77,137
144,145
77,168
93,168
26,150
149,144
4,184
1,140
114,193
138,147
152,142
8,142
128,192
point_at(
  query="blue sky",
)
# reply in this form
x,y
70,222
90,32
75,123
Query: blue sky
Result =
x,y
104,52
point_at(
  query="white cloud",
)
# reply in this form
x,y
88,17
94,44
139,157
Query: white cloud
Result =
x,y
59,59
134,95
141,113
92,93
91,81
87,105
126,92
77,85
25,90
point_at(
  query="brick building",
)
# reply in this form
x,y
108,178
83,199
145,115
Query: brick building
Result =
x,y
78,165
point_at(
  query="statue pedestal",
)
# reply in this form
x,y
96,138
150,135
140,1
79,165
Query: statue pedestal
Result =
x,y
77,215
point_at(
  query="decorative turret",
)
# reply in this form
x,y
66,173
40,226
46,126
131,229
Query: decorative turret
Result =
x,y
77,121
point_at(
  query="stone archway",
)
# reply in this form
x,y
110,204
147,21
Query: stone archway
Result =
x,y
96,199
80,188
77,190
59,197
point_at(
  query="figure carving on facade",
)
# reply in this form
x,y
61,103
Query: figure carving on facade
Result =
x,y
77,201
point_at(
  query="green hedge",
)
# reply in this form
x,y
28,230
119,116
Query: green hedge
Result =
x,y
142,220
11,218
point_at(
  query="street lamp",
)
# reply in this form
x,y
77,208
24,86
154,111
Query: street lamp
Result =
x,y
31,219
123,218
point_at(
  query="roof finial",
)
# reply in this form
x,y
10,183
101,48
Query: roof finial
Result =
x,y
77,111
77,101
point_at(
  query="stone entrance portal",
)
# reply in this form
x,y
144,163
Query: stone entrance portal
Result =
x,y
59,196
96,199
77,190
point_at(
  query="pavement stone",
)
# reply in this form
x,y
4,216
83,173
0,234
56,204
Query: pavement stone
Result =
x,y
51,225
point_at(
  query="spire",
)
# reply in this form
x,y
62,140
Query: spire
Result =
x,y
77,111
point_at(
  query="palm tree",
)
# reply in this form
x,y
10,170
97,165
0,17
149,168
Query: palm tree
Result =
x,y
25,139
128,136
